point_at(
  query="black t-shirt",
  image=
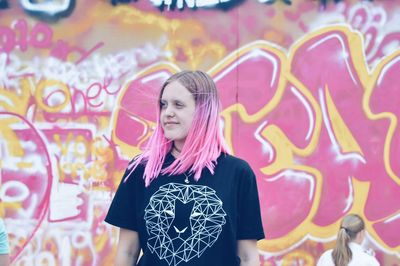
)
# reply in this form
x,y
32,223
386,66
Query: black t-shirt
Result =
x,y
190,223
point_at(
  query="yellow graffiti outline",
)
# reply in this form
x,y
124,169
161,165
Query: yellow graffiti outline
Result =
x,y
385,115
354,41
6,130
347,142
238,107
43,84
19,103
272,131
308,259
361,189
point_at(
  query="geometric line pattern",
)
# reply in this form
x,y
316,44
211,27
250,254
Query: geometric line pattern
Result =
x,y
205,220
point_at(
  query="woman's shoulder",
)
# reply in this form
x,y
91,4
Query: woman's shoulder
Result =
x,y
326,259
234,161
361,256
236,166
133,169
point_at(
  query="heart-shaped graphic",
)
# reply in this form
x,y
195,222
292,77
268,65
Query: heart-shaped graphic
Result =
x,y
26,178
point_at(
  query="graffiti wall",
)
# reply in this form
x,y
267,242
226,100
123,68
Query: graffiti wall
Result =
x,y
310,99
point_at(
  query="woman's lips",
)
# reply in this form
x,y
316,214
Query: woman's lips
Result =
x,y
170,124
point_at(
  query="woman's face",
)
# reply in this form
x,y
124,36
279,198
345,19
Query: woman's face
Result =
x,y
177,112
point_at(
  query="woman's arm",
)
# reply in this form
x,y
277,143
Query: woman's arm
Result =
x,y
128,248
247,251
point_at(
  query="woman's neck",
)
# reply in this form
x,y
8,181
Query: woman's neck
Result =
x,y
175,151
359,237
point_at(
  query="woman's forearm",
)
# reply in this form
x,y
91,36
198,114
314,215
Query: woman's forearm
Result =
x,y
125,258
248,253
128,248
252,261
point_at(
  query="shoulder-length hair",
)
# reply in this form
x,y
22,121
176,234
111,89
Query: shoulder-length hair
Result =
x,y
204,142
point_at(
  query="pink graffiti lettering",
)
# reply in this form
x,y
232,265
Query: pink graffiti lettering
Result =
x,y
41,37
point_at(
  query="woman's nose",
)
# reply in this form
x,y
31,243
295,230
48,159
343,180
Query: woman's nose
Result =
x,y
169,111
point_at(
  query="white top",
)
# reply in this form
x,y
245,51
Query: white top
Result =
x,y
359,258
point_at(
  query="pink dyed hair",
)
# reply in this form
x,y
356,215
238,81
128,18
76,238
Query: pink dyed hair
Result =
x,y
204,142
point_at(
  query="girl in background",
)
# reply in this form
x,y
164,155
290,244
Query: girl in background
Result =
x,y
348,250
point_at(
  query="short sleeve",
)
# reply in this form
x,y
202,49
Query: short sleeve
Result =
x,y
249,216
4,246
122,212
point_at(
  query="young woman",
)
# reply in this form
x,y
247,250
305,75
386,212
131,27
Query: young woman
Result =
x,y
348,250
185,200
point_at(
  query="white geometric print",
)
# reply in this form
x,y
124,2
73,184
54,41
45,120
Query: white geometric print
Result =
x,y
203,227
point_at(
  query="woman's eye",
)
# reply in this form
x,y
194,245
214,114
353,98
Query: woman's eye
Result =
x,y
179,105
